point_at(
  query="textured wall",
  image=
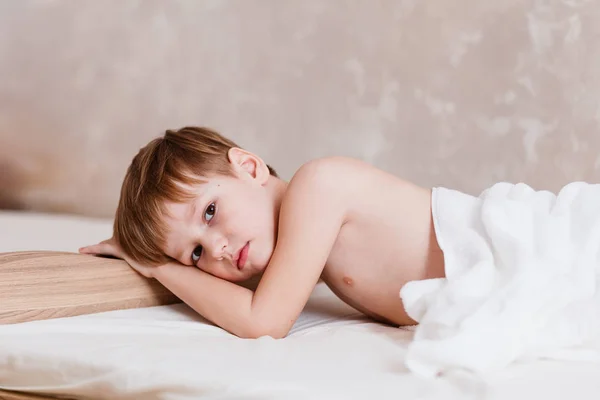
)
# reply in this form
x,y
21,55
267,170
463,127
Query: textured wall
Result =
x,y
455,93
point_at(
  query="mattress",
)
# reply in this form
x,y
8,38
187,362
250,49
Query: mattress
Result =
x,y
170,352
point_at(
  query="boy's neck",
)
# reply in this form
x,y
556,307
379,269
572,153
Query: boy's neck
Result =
x,y
277,188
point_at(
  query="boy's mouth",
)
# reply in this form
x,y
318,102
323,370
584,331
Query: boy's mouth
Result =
x,y
243,256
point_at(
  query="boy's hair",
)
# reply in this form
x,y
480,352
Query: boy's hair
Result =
x,y
160,173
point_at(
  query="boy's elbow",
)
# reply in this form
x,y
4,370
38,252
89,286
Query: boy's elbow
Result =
x,y
258,330
276,333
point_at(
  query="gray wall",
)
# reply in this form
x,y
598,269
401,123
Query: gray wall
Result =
x,y
456,93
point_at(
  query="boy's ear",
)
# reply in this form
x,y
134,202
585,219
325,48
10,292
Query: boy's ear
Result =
x,y
247,163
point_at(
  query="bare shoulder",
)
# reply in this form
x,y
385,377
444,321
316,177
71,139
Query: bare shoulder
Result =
x,y
319,184
332,169
346,180
331,175
326,179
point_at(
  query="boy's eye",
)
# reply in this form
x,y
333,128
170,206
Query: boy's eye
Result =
x,y
196,254
210,212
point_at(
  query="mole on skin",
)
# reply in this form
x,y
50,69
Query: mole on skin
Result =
x,y
348,281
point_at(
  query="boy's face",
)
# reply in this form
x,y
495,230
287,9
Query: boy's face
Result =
x,y
227,230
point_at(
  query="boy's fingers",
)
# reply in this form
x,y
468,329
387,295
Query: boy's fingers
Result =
x,y
107,241
101,248
87,249
106,247
84,249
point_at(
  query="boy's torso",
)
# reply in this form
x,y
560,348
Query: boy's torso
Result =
x,y
388,239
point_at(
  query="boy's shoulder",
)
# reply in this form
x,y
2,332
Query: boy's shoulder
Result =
x,y
332,170
333,179
347,180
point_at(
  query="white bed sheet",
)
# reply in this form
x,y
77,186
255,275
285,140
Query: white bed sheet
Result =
x,y
169,352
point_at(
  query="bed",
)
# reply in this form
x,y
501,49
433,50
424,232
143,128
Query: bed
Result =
x,y
169,352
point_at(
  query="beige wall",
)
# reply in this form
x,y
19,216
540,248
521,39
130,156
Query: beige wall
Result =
x,y
455,93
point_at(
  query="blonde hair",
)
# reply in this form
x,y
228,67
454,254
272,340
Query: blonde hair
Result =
x,y
158,174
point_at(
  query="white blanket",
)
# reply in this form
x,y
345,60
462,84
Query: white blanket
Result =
x,y
522,272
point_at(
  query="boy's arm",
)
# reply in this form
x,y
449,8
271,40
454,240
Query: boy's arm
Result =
x,y
311,215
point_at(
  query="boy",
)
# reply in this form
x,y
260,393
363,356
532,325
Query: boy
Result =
x,y
198,213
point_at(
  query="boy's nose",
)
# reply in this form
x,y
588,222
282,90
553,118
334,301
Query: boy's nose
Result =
x,y
217,250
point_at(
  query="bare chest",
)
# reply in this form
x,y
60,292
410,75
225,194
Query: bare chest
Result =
x,y
380,249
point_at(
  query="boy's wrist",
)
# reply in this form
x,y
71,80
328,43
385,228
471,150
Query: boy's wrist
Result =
x,y
155,271
144,270
158,271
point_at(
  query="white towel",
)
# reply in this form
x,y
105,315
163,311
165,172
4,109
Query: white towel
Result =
x,y
522,270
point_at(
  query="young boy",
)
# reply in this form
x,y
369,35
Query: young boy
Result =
x,y
198,213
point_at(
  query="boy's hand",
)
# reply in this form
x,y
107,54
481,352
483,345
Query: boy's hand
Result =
x,y
110,247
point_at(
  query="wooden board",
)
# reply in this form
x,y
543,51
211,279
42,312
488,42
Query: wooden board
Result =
x,y
38,285
10,395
